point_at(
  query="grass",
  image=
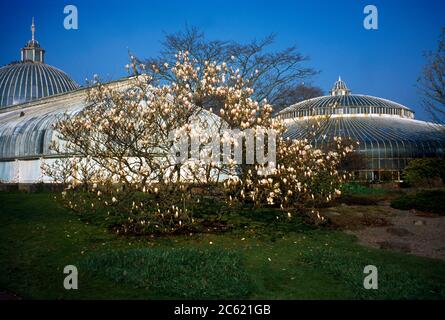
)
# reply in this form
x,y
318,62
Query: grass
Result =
x,y
355,188
260,258
185,273
395,282
429,201
354,193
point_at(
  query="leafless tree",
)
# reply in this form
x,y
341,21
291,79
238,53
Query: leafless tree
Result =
x,y
294,94
432,82
269,72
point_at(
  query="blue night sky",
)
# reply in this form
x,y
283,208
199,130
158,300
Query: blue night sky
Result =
x,y
384,63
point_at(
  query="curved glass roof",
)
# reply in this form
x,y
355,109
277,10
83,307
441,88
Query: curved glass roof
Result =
x,y
26,132
345,104
26,81
429,138
385,143
342,102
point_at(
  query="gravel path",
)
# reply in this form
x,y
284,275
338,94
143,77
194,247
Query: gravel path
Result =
x,y
412,232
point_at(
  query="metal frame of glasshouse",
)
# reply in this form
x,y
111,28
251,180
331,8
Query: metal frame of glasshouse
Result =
x,y
386,131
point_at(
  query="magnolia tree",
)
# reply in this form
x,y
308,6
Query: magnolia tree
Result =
x,y
304,179
137,154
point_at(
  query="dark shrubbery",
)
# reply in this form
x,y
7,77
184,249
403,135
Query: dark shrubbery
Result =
x,y
429,201
359,200
427,171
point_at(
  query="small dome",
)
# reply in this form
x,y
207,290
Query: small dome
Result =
x,y
28,80
339,88
32,44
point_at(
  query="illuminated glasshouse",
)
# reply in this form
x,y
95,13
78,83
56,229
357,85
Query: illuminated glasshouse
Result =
x,y
387,133
34,95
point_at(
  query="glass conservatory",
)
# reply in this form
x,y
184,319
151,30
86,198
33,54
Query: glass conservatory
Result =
x,y
33,95
387,133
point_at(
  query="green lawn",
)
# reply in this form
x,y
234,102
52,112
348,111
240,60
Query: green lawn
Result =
x,y
260,258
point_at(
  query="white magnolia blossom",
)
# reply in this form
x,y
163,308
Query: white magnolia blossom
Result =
x,y
122,148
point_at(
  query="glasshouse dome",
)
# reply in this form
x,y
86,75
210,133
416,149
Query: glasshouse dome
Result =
x,y
30,78
33,95
386,131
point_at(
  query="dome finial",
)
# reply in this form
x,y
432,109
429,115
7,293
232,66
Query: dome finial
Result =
x,y
33,30
32,50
